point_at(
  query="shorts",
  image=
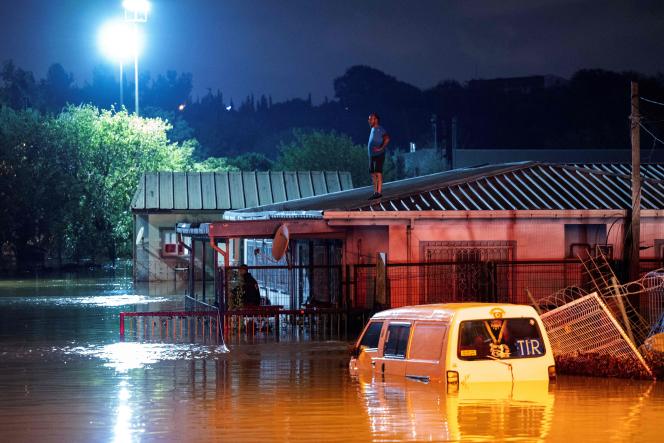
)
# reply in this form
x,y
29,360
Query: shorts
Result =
x,y
376,164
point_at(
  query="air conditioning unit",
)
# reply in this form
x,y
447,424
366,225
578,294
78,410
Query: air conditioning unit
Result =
x,y
172,249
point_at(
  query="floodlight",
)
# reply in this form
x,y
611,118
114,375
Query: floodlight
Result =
x,y
119,42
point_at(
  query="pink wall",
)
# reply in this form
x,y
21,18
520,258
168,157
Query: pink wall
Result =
x,y
536,239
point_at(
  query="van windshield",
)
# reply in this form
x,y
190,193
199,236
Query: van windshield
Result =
x,y
500,339
372,335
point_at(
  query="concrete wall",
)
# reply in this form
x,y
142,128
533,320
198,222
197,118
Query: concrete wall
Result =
x,y
149,262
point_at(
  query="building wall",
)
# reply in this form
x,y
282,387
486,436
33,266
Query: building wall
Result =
x,y
536,239
150,263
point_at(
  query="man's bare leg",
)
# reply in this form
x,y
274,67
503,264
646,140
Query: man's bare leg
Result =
x,y
379,183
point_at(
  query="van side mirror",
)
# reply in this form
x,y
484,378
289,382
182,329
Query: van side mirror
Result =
x,y
355,351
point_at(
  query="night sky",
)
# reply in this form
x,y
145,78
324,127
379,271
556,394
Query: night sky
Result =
x,y
289,48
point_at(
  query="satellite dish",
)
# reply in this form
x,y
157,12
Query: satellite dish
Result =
x,y
280,242
139,236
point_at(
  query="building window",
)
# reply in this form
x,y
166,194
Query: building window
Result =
x,y
582,240
659,249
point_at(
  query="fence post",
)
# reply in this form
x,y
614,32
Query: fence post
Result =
x,y
347,289
122,326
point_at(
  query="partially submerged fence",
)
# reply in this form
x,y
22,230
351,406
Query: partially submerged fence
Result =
x,y
327,299
175,326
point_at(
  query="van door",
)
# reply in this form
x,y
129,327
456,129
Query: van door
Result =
x,y
368,344
425,356
395,347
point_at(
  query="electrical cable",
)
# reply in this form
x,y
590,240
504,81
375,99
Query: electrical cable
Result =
x,y
650,133
651,101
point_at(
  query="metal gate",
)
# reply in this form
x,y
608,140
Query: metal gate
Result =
x,y
472,274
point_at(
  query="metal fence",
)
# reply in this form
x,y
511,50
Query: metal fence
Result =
x,y
585,330
445,282
292,287
359,286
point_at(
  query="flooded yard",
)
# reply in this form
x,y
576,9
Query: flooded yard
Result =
x,y
66,376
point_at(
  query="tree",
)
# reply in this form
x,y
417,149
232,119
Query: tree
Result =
x,y
56,89
214,164
18,89
251,161
326,151
113,149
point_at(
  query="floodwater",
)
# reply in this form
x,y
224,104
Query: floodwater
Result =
x,y
66,376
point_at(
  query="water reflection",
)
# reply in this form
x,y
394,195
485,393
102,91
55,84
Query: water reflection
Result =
x,y
123,426
125,356
64,375
405,409
100,300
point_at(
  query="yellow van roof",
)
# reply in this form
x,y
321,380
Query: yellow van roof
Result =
x,y
445,311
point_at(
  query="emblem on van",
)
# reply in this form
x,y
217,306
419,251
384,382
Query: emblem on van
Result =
x,y
497,312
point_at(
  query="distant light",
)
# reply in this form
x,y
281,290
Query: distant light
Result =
x,y
118,41
140,6
136,10
229,107
181,107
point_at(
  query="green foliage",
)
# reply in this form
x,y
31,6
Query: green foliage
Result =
x,y
251,161
214,164
324,151
34,184
67,181
113,150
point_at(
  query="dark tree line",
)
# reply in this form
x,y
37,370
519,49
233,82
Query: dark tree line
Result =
x,y
589,110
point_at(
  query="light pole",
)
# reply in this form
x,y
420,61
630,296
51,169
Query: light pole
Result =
x,y
136,11
118,44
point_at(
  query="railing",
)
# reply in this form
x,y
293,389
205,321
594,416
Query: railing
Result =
x,y
293,287
171,325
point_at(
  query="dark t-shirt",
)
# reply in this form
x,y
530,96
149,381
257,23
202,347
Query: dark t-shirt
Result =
x,y
252,295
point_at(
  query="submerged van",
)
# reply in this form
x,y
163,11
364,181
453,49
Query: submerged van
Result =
x,y
456,343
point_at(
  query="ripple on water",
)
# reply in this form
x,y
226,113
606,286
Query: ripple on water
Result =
x,y
124,356
96,300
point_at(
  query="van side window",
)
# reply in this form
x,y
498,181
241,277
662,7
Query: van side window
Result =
x,y
397,340
372,335
427,342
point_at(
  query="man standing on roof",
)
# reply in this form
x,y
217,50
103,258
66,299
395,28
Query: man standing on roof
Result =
x,y
378,140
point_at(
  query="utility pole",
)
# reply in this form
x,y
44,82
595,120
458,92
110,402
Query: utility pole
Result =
x,y
635,231
434,127
451,160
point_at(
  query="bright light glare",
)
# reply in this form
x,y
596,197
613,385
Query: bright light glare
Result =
x,y
119,41
136,6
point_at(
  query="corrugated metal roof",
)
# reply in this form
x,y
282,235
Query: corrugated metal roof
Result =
x,y
510,186
537,186
214,191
